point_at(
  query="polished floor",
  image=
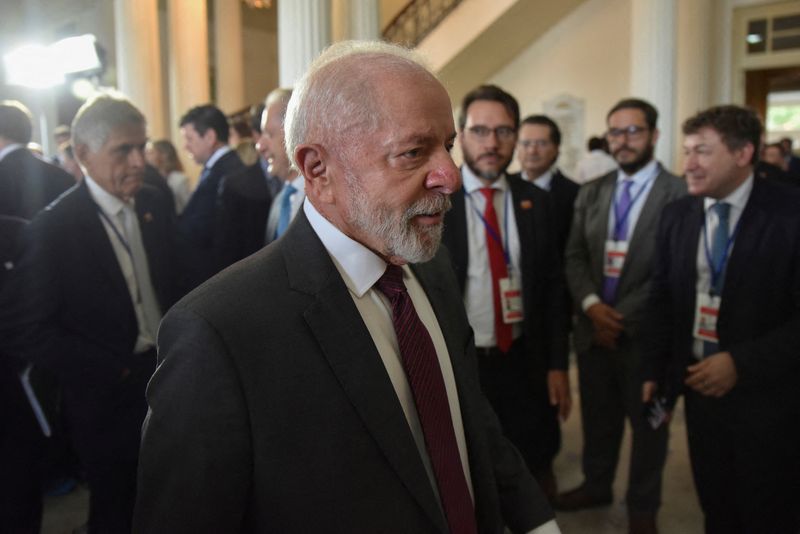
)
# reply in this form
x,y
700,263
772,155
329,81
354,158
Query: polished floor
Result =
x,y
680,511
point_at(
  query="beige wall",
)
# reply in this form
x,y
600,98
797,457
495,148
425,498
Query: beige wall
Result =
x,y
586,55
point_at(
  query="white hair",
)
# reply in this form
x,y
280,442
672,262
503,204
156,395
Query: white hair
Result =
x,y
99,116
338,94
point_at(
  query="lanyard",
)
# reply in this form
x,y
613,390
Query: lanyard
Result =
x,y
114,228
717,270
619,219
489,228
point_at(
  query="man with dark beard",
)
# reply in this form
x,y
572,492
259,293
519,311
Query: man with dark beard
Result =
x,y
327,383
609,268
502,239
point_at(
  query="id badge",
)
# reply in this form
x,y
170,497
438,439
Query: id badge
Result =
x,y
614,258
705,317
511,300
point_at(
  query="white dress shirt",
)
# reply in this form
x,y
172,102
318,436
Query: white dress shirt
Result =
x,y
544,181
478,296
113,207
738,200
593,165
643,181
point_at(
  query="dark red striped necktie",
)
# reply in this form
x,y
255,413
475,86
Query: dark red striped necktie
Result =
x,y
430,396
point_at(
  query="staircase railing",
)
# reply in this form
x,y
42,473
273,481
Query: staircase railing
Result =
x,y
417,20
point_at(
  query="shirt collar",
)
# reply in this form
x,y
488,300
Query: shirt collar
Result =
x,y
9,149
641,176
737,199
107,202
472,183
544,181
218,153
359,266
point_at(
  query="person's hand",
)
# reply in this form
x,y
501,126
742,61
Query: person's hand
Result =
x,y
605,338
558,389
649,389
604,317
714,376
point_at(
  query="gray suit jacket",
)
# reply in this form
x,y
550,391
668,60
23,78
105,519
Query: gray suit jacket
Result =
x,y
271,411
586,244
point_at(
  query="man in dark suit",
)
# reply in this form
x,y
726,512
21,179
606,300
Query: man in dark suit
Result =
x,y
324,383
27,183
609,267
723,326
87,296
522,350
538,143
205,133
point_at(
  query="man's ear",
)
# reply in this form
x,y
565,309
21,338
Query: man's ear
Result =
x,y
313,161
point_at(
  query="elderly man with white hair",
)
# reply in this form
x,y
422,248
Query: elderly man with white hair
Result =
x,y
328,383
87,296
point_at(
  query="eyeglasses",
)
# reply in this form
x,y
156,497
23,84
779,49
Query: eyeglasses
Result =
x,y
503,133
632,132
538,143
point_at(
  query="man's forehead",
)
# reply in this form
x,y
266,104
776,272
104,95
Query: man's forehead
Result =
x,y
488,110
534,130
627,115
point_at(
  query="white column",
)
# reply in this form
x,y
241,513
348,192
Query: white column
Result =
x,y
304,30
188,83
228,55
139,60
355,19
653,66
694,53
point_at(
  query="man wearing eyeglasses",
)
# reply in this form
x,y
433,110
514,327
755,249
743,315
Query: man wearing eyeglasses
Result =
x,y
502,240
608,264
537,153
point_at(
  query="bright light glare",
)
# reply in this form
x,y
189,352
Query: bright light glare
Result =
x,y
38,66
83,89
76,54
32,66
755,38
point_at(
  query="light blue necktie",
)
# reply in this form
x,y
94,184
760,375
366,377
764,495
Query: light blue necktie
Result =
x,y
286,210
719,248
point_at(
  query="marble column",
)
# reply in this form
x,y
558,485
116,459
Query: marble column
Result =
x,y
355,19
304,30
138,60
653,45
189,82
228,55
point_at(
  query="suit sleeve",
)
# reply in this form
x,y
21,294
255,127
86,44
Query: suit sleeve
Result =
x,y
29,314
195,460
658,324
577,265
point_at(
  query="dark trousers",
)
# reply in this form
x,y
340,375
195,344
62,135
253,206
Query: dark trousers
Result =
x,y
745,453
611,391
21,448
516,387
106,420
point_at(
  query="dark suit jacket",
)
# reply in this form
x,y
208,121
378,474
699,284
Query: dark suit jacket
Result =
x,y
583,258
244,207
562,193
759,321
28,184
67,307
197,223
544,326
271,411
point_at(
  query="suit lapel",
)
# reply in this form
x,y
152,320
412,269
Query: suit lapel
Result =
x,y
599,221
648,217
752,228
346,344
97,239
523,215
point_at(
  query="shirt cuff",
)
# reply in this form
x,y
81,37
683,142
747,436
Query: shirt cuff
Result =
x,y
548,528
589,301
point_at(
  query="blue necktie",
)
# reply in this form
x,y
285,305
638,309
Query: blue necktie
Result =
x,y
623,207
286,210
719,248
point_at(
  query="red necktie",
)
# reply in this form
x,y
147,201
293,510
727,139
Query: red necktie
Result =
x,y
497,264
430,396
